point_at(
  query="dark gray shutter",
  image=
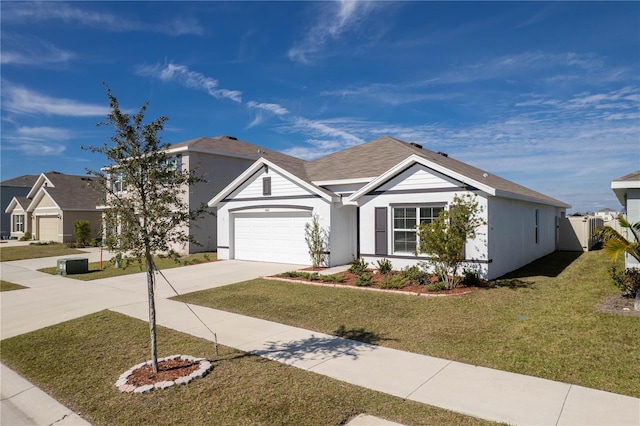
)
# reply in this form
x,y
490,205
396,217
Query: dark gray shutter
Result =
x,y
381,231
266,186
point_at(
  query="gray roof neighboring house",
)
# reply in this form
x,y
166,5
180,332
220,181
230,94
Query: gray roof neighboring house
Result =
x,y
70,192
25,181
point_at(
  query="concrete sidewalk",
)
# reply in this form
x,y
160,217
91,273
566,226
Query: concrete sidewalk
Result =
x,y
476,391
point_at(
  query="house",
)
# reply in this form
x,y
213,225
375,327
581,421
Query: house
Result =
x,y
627,190
218,160
10,188
53,205
369,198
607,214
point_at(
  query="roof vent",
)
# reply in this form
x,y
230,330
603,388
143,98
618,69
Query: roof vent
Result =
x,y
444,154
417,145
233,138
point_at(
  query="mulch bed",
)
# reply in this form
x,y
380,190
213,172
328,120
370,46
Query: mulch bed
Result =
x,y
618,304
167,371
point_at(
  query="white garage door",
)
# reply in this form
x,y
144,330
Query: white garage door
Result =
x,y
272,237
48,228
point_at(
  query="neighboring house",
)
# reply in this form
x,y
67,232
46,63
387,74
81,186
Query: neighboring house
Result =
x,y
370,198
627,190
53,205
607,214
218,160
10,188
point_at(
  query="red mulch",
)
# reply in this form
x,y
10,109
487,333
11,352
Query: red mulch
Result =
x,y
167,371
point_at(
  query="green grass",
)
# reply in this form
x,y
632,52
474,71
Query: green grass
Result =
x,y
109,270
33,251
77,362
7,286
540,320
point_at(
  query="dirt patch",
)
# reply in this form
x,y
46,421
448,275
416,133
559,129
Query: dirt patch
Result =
x,y
618,304
170,370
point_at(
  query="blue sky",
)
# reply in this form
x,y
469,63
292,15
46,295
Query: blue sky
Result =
x,y
544,94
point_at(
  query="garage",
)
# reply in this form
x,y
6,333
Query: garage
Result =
x,y
271,237
47,228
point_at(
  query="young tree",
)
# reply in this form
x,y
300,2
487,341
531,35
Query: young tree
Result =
x,y
444,239
316,239
146,210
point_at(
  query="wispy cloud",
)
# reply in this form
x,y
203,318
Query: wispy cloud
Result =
x,y
37,141
191,79
31,51
20,100
334,20
272,108
28,13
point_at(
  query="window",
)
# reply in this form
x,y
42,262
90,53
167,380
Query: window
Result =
x,y
405,221
18,223
117,182
537,231
266,186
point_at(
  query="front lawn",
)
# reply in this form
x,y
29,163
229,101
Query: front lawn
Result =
x,y
7,286
541,320
78,362
36,250
109,270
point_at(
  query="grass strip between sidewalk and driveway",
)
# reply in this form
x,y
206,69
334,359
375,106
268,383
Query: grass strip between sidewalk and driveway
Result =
x,y
78,362
33,251
541,320
7,286
109,270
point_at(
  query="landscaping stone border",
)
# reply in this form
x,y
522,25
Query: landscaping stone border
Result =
x,y
202,371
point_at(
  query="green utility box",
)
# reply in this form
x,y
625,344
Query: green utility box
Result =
x,y
73,266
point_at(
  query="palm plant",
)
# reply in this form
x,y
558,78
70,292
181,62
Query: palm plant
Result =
x,y
614,243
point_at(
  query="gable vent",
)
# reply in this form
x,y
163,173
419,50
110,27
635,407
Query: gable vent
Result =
x,y
233,138
444,154
417,145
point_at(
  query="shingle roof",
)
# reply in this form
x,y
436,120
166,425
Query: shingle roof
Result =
x,y
25,181
634,176
73,192
373,158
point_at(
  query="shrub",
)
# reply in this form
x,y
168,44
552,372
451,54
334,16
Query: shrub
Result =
x,y
384,266
316,238
414,274
628,281
83,232
439,286
396,281
470,277
358,266
27,236
365,279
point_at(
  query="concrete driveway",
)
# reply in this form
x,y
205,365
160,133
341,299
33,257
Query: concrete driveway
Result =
x,y
53,299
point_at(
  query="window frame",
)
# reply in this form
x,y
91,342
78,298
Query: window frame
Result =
x,y
419,217
18,223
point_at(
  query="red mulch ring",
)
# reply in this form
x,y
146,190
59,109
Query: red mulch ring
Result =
x,y
167,371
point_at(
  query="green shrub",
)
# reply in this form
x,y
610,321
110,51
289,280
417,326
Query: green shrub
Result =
x,y
439,286
365,279
83,232
358,266
395,281
384,266
628,281
414,274
27,236
470,278
331,278
312,276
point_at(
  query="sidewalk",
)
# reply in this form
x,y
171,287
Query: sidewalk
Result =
x,y
476,391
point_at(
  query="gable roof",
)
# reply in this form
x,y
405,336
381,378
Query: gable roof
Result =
x,y
23,202
24,181
620,185
377,157
69,192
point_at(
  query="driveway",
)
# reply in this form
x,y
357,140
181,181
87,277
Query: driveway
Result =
x,y
53,299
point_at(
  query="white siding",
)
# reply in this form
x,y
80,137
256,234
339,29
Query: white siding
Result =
x,y
418,177
280,186
633,216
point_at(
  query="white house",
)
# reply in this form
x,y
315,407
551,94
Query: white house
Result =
x,y
627,190
370,198
607,214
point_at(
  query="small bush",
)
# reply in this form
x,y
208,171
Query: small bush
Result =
x,y
95,242
470,278
396,281
331,278
365,279
312,276
27,236
415,275
83,232
384,266
439,286
358,266
628,281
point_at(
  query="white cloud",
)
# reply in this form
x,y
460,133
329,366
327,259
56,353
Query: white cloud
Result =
x,y
335,19
42,133
31,51
28,13
272,108
21,100
37,141
191,79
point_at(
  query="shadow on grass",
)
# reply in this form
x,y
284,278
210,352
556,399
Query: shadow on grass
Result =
x,y
550,265
512,283
321,347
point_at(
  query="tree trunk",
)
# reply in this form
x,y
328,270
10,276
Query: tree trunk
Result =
x,y
636,304
152,312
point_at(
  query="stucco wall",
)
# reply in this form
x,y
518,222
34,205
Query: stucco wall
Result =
x,y
69,219
633,216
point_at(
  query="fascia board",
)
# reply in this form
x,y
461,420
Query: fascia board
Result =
x,y
405,164
364,180
625,184
512,196
12,205
36,186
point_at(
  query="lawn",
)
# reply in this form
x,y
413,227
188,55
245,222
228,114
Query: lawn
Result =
x,y
540,320
109,270
7,286
33,251
77,362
